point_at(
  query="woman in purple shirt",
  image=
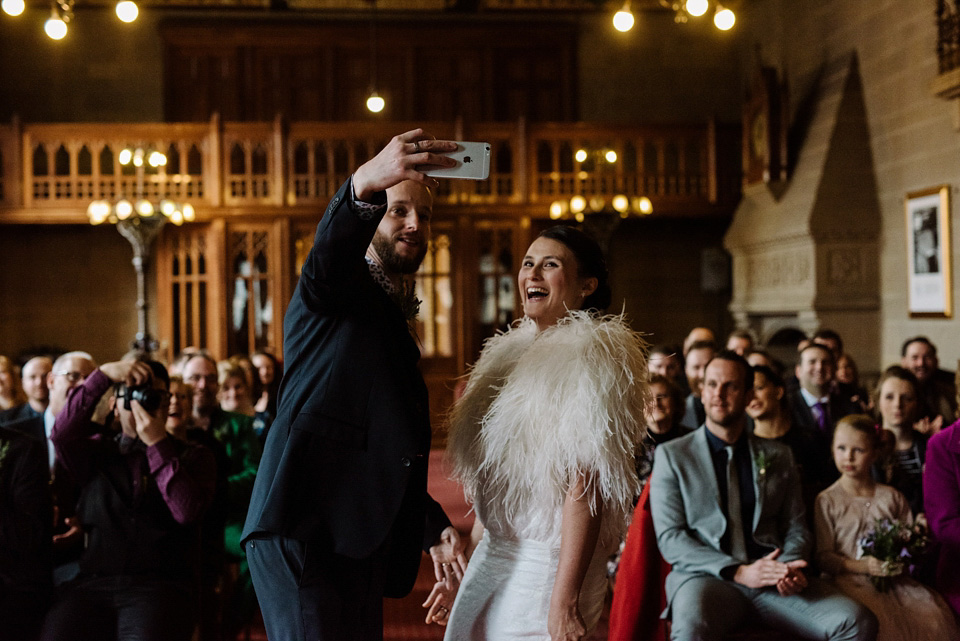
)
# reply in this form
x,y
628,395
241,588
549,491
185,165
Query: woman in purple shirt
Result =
x,y
941,493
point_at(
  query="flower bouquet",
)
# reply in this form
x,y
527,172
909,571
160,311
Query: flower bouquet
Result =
x,y
897,545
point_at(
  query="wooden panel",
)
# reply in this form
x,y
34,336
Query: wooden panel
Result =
x,y
248,71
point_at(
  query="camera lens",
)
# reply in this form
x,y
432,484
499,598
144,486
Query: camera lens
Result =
x,y
148,397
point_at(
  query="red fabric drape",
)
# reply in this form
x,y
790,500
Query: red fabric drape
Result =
x,y
638,598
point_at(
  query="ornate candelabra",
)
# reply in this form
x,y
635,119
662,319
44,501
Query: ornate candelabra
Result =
x,y
139,221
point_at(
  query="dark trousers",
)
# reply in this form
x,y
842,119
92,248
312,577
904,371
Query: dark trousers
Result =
x,y
308,593
121,608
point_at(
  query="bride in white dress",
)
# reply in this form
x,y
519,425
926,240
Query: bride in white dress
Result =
x,y
543,440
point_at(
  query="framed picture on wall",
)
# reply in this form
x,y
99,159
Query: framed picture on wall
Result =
x,y
929,291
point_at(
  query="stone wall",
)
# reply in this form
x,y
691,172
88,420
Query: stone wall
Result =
x,y
913,139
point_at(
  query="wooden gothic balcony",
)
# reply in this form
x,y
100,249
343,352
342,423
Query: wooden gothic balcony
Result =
x,y
49,173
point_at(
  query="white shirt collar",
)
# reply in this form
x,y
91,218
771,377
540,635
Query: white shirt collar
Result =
x,y
812,400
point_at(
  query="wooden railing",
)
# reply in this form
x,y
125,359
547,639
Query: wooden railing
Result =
x,y
49,173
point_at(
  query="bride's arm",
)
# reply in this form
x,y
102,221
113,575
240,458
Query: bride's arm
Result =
x,y
476,533
579,532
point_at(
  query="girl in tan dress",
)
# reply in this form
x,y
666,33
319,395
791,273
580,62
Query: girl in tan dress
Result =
x,y
845,512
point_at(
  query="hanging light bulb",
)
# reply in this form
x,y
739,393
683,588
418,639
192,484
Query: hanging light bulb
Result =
x,y
623,20
580,155
724,19
375,103
55,27
123,209
621,203
557,209
127,10
696,8
611,156
13,7
578,204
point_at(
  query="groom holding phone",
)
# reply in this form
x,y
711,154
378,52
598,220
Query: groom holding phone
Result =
x,y
340,509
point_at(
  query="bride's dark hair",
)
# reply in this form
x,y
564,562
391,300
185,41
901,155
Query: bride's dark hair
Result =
x,y
590,262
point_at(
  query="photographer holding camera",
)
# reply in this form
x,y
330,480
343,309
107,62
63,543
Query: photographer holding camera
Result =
x,y
143,495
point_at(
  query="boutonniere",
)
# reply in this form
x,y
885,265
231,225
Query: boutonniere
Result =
x,y
763,461
4,449
406,299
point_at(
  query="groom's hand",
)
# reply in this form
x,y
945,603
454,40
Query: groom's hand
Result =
x,y
449,561
763,572
795,581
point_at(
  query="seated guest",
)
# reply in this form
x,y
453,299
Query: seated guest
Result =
x,y
10,393
757,357
25,520
663,424
696,360
245,363
936,389
234,389
698,335
815,406
740,341
69,371
831,340
33,381
848,381
728,516
902,465
845,513
666,361
235,432
237,394
941,500
143,495
269,374
771,420
180,425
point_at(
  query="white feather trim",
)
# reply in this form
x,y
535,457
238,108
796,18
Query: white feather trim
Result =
x,y
540,409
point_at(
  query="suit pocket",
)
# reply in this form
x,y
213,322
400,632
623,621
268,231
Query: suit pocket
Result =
x,y
333,429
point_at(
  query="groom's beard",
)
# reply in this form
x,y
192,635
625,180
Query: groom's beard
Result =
x,y
392,260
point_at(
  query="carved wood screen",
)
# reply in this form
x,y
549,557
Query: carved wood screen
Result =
x,y
189,281
247,71
255,304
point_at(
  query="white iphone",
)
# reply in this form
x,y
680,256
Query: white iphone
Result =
x,y
473,162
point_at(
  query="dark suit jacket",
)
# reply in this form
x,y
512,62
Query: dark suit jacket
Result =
x,y
819,471
18,413
802,416
63,492
345,462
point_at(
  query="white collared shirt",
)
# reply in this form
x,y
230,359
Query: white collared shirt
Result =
x,y
48,421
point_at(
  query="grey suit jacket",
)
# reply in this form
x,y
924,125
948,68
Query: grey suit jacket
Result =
x,y
687,514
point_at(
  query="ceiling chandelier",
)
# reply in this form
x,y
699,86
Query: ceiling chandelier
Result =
x,y
61,14
683,10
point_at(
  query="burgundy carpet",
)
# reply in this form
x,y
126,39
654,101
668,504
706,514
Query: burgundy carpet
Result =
x,y
403,618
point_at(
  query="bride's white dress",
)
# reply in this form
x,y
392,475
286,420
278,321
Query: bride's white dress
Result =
x,y
539,409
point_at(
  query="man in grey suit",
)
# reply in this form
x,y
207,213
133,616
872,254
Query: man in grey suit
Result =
x,y
729,519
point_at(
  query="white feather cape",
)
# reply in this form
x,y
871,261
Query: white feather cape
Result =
x,y
542,407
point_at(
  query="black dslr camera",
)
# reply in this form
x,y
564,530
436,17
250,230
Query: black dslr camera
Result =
x,y
149,397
